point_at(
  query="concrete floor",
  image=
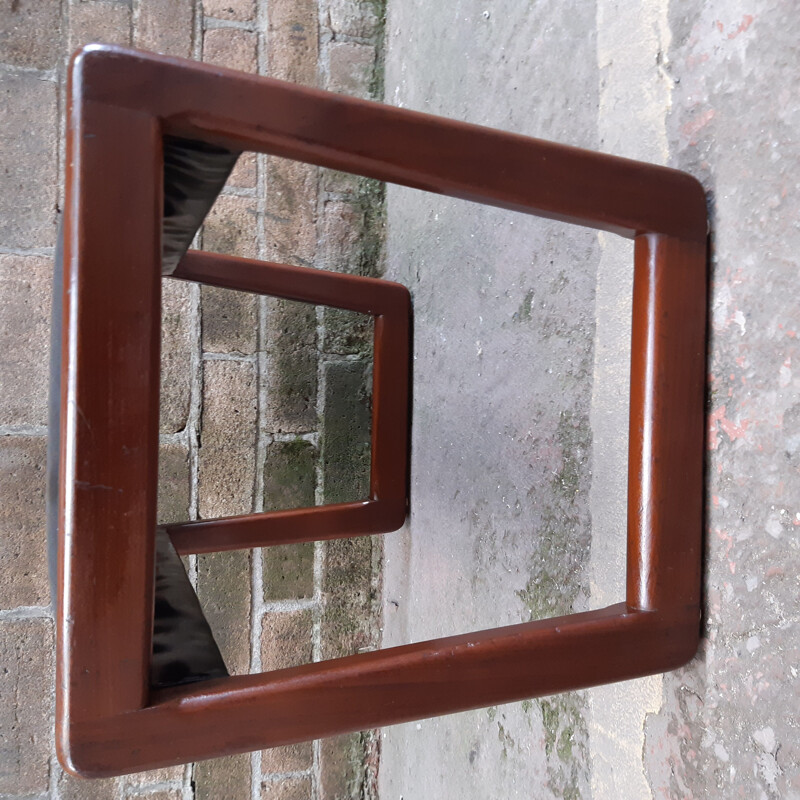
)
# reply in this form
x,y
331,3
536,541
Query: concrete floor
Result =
x,y
520,382
504,324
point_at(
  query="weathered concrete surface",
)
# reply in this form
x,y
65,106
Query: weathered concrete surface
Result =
x,y
707,87
730,725
503,332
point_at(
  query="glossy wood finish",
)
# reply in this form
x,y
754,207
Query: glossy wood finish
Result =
x,y
121,102
385,510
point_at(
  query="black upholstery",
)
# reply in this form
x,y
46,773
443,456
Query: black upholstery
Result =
x,y
194,174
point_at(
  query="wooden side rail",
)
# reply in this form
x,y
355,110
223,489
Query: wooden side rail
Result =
x,y
121,105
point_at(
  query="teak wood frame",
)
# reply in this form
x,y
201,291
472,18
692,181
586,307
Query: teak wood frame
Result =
x,y
121,102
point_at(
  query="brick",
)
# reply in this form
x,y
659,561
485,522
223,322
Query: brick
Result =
x,y
288,571
30,33
293,41
109,23
70,788
241,10
230,321
349,620
285,639
290,475
223,586
26,710
23,546
332,180
173,795
291,375
154,776
287,789
289,482
28,149
245,174
230,227
291,211
351,68
342,228
177,344
342,767
223,778
357,18
290,758
24,338
346,431
226,468
173,483
232,48
165,26
348,333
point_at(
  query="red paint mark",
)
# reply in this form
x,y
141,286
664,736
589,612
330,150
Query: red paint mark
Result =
x,y
717,421
747,21
696,61
691,129
733,430
720,26
791,334
773,572
713,427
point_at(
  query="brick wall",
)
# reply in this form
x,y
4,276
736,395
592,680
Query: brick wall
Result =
x,y
265,403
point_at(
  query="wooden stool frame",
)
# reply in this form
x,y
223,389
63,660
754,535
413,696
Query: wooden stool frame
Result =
x,y
120,104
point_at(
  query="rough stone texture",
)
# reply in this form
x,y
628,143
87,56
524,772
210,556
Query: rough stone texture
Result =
x,y
177,343
23,548
289,571
291,209
351,67
230,227
173,483
361,19
30,33
242,10
290,475
346,431
291,758
230,321
350,598
245,173
228,438
173,795
285,640
348,766
290,789
25,711
729,724
223,777
70,788
342,226
232,48
142,780
109,23
291,376
294,45
24,339
28,137
499,530
289,482
223,586
164,26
